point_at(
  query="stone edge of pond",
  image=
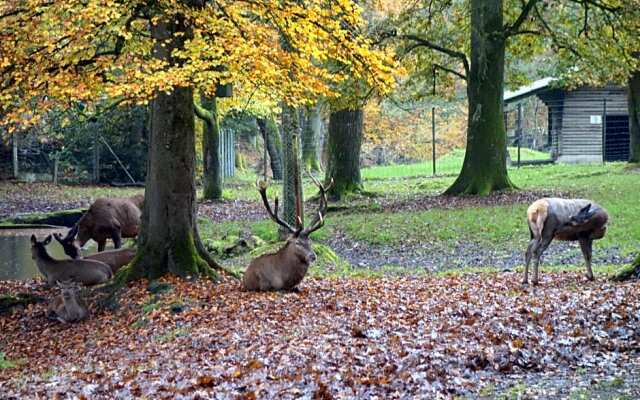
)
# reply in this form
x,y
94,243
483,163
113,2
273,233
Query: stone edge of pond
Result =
x,y
54,219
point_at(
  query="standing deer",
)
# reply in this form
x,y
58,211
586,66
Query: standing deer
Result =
x,y
116,258
563,219
68,306
110,219
88,272
286,268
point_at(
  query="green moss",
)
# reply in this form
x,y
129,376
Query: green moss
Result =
x,y
5,363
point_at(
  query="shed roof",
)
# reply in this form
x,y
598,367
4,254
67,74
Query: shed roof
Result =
x,y
525,91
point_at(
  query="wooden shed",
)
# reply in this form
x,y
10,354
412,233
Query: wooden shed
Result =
x,y
585,124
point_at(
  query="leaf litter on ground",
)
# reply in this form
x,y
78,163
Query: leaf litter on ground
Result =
x,y
418,337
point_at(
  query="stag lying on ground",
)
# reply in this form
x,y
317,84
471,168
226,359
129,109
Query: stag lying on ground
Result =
x,y
68,306
110,219
116,258
563,219
286,268
88,272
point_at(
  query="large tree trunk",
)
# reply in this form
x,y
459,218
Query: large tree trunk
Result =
x,y
343,152
211,143
634,117
168,240
310,136
484,168
271,137
291,203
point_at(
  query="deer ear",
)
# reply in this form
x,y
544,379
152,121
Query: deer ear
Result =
x,y
33,239
47,240
586,208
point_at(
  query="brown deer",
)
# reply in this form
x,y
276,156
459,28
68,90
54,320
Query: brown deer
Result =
x,y
110,219
116,258
563,219
286,268
68,306
88,272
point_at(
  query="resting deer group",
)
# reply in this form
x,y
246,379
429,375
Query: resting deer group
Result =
x,y
88,272
563,219
115,259
286,268
113,219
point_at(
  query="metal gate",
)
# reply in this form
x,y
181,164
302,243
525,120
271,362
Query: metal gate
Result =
x,y
227,152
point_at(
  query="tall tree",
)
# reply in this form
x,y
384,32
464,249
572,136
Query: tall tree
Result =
x,y
271,137
474,40
208,113
291,161
312,122
162,51
343,151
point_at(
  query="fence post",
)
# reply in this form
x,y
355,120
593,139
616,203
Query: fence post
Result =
x,y
56,157
604,130
519,131
14,143
433,125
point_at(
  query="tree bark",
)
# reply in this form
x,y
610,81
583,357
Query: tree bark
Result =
x,y
291,187
634,117
343,152
310,136
484,169
271,136
208,112
168,240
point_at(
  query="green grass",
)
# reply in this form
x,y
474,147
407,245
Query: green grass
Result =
x,y
5,363
449,164
501,228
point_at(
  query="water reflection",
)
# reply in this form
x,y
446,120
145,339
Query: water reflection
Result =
x,y
15,252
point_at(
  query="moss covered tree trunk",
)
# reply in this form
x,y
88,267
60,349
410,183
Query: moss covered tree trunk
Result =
x,y
634,117
310,137
271,137
630,272
291,167
343,152
208,112
484,169
169,240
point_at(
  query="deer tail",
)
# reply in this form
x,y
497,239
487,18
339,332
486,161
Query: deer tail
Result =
x,y
536,216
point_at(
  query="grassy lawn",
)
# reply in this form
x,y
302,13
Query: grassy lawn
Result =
x,y
499,227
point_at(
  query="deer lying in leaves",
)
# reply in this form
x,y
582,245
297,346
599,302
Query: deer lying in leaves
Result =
x,y
286,268
563,219
115,259
88,272
110,219
68,306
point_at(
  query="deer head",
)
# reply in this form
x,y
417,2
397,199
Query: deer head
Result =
x,y
68,243
582,217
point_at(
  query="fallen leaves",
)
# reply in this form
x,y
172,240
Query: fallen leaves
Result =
x,y
350,338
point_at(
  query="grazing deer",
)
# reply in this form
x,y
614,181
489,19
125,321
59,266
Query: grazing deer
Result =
x,y
110,219
116,258
88,272
68,306
286,268
563,219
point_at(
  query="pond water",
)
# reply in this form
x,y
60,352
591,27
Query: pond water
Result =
x,y
15,252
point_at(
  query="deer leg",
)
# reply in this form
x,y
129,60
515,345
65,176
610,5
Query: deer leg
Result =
x,y
542,246
102,244
586,247
117,240
532,244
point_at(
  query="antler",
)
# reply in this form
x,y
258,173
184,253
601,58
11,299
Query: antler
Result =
x,y
262,188
318,220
